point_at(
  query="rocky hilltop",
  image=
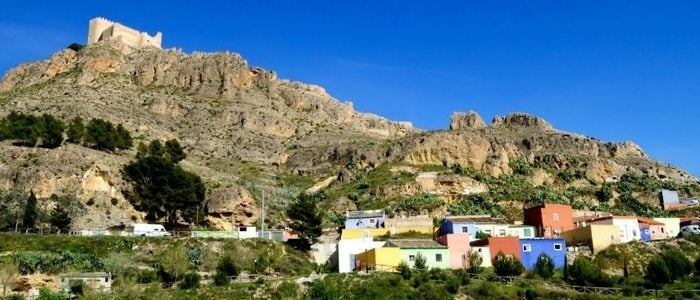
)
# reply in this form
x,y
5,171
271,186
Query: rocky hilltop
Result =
x,y
247,131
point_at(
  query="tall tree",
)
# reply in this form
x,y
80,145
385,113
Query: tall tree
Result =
x,y
76,131
30,212
52,131
306,218
657,273
66,208
161,188
544,266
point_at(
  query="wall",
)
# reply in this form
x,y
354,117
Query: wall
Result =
x,y
485,254
629,229
360,233
448,226
644,232
458,247
539,246
102,29
542,217
521,231
671,226
349,248
429,254
596,236
374,222
381,259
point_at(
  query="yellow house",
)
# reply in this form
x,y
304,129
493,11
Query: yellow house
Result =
x,y
595,236
380,259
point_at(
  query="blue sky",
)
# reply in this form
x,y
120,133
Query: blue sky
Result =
x,y
614,70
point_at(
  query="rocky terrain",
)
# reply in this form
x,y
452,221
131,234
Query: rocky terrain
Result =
x,y
246,131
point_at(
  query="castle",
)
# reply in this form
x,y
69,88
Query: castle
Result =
x,y
102,29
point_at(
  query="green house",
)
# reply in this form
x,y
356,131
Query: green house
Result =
x,y
436,255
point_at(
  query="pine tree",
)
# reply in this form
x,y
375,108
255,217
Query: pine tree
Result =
x,y
30,212
76,131
306,218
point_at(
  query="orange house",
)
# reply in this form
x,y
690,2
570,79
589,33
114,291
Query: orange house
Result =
x,y
550,220
509,245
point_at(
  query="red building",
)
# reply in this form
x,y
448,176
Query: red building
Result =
x,y
509,245
550,220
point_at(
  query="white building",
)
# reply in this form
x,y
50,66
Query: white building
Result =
x,y
672,226
348,248
629,226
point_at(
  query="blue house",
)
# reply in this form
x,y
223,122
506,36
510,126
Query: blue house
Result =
x,y
530,249
465,224
365,219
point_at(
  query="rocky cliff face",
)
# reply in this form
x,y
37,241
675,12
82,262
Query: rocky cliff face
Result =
x,y
243,126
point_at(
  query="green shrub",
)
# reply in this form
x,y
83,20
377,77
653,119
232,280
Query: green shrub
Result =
x,y
544,266
45,293
678,264
657,273
521,167
507,265
147,276
190,281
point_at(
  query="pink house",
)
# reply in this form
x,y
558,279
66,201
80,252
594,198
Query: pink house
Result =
x,y
458,249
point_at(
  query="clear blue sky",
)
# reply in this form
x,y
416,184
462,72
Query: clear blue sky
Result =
x,y
614,70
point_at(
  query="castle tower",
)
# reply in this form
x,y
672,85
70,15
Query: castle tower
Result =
x,y
102,29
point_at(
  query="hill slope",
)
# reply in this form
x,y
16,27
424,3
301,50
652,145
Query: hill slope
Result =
x,y
247,131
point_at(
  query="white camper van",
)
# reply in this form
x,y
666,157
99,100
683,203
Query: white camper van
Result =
x,y
150,230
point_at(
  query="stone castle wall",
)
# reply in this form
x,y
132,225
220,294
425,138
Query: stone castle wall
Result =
x,y
102,29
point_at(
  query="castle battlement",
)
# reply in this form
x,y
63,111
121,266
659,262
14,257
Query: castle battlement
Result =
x,y
102,29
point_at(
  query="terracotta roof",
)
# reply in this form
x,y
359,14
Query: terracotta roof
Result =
x,y
612,217
648,221
548,204
415,244
475,219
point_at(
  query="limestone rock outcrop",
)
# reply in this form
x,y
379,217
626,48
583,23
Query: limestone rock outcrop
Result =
x,y
468,120
229,207
521,119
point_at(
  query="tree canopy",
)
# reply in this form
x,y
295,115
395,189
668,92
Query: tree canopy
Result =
x,y
306,218
162,188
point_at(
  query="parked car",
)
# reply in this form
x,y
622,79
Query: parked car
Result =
x,y
150,230
690,230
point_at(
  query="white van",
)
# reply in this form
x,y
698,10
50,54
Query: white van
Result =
x,y
150,230
690,230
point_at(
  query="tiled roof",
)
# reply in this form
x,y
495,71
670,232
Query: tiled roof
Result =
x,y
648,221
475,219
415,244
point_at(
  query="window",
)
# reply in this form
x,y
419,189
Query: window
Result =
x,y
557,247
501,232
438,257
555,216
487,231
371,221
662,230
412,257
479,249
527,248
634,232
527,232
465,229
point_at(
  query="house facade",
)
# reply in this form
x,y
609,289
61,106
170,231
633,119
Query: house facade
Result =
x,y
672,226
365,219
510,246
651,230
595,236
380,259
530,250
436,255
348,250
473,224
521,231
458,248
550,220
628,226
